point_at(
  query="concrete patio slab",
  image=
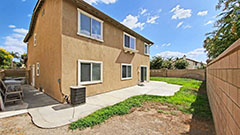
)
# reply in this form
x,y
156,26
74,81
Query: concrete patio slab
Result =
x,y
48,113
102,100
33,98
47,117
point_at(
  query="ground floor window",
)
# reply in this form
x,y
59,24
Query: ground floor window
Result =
x,y
89,72
38,69
126,71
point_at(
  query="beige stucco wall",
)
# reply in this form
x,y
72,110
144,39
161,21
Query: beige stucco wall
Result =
x,y
110,52
192,65
48,49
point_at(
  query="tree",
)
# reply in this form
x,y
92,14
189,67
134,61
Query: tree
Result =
x,y
181,64
227,28
156,62
5,59
168,63
23,59
15,55
159,62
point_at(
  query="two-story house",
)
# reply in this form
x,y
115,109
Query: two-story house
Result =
x,y
71,43
193,64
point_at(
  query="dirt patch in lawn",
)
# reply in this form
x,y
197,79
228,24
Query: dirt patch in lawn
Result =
x,y
152,118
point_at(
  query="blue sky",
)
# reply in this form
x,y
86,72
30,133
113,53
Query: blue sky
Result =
x,y
177,27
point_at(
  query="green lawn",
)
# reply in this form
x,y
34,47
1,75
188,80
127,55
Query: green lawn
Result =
x,y
188,100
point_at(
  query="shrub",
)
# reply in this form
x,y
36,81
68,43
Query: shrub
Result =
x,y
5,59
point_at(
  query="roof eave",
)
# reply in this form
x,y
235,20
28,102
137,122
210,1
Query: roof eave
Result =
x,y
91,9
33,20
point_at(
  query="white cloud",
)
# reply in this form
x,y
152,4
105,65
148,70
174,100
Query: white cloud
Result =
x,y
143,11
159,10
179,24
166,44
23,0
181,13
152,19
209,22
132,22
21,31
20,50
14,42
29,15
202,13
198,54
101,1
187,27
11,26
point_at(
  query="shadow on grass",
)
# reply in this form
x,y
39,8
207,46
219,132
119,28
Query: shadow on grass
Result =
x,y
202,121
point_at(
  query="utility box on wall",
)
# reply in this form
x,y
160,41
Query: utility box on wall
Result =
x,y
78,95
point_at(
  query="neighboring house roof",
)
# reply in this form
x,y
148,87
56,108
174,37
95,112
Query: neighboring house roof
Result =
x,y
85,6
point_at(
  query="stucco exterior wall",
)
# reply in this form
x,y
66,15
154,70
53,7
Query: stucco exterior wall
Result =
x,y
48,49
223,88
110,52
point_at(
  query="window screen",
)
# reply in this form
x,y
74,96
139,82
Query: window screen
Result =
x,y
96,29
96,72
85,72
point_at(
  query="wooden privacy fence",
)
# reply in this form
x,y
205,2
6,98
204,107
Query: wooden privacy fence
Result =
x,y
198,74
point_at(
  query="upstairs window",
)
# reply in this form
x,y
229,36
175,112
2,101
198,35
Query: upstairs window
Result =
x,y
89,26
146,49
129,41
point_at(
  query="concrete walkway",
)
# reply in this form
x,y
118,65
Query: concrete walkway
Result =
x,y
53,116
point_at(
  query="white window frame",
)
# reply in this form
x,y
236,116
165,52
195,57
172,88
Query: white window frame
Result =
x,y
127,78
148,47
35,39
124,33
91,62
92,17
38,69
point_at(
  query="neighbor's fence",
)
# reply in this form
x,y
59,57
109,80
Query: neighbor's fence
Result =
x,y
198,74
223,87
15,73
